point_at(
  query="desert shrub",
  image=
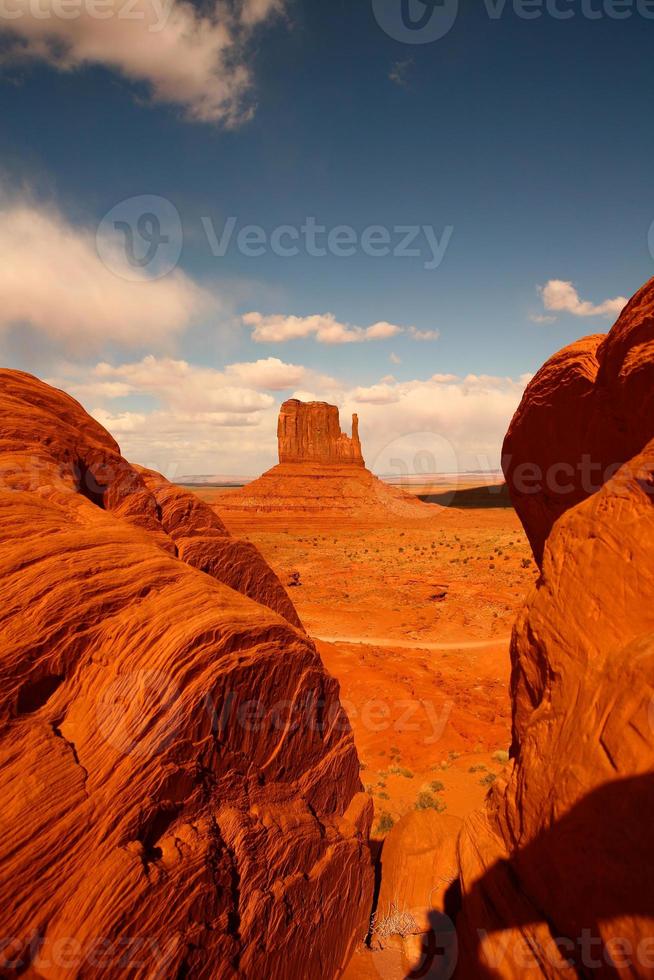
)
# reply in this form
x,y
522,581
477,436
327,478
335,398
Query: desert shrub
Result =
x,y
436,787
401,771
426,801
385,823
488,779
501,756
394,922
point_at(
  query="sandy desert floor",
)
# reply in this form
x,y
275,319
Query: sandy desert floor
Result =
x,y
415,622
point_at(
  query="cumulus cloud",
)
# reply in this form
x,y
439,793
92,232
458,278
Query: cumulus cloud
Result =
x,y
424,335
560,296
52,279
270,373
193,58
325,328
202,420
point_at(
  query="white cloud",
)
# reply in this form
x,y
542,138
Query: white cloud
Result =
x,y
384,393
325,328
270,373
196,60
542,318
394,358
424,335
210,421
185,387
560,296
52,279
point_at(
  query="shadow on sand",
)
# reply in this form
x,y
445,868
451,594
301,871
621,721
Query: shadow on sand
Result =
x,y
592,867
496,495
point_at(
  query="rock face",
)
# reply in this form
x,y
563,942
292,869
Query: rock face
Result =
x,y
557,873
310,432
588,411
181,792
321,471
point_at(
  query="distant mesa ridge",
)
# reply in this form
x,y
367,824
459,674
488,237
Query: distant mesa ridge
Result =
x,y
310,432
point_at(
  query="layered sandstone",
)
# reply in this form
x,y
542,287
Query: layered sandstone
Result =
x,y
181,792
588,411
557,873
310,432
321,472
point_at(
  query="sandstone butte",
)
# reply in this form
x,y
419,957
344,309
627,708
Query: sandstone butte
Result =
x,y
151,811
321,471
555,877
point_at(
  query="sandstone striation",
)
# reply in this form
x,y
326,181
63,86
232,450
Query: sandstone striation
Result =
x,y
320,472
310,432
588,411
181,792
557,872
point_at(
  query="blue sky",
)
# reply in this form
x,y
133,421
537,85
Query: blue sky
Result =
x,y
531,140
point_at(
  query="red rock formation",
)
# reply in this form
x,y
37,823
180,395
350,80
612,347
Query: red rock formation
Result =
x,y
180,785
418,866
320,471
557,873
310,432
587,411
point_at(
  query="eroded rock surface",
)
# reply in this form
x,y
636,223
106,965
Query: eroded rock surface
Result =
x,y
588,411
181,792
557,872
310,432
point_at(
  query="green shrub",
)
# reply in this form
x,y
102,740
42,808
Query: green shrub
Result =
x,y
426,801
385,824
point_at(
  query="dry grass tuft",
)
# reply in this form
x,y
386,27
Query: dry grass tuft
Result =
x,y
396,922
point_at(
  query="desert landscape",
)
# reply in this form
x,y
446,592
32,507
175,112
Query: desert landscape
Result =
x,y
326,490
341,704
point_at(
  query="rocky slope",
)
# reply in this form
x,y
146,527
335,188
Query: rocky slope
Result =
x,y
557,872
180,785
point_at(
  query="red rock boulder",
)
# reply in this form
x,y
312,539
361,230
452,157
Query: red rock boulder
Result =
x,y
181,792
588,411
557,872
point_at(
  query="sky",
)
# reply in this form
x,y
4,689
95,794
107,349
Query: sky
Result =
x,y
403,208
